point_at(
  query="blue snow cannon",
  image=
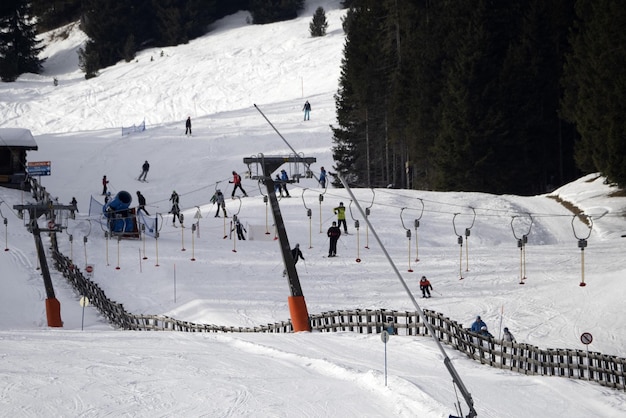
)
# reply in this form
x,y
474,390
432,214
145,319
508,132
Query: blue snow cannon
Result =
x,y
117,212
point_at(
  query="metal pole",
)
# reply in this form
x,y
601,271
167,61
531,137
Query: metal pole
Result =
x,y
447,362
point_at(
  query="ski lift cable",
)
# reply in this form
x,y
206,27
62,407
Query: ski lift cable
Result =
x,y
447,362
488,211
484,212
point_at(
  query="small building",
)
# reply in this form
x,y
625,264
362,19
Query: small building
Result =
x,y
14,143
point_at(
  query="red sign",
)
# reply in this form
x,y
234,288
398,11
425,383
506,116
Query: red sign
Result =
x,y
89,269
586,338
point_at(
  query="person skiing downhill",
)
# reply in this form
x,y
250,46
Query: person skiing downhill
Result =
x,y
105,183
296,254
188,126
425,287
174,198
307,110
144,171
236,181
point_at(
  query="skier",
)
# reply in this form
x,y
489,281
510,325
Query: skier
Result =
x,y
284,178
142,203
107,197
237,183
477,325
307,110
240,230
485,332
74,203
105,182
334,232
425,287
174,198
144,171
188,126
340,211
323,178
278,186
296,254
508,336
218,198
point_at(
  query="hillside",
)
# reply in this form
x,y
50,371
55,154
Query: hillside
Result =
x,y
216,80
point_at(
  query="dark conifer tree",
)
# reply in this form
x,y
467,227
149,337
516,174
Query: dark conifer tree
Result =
x,y
19,48
269,11
360,138
318,24
52,14
594,83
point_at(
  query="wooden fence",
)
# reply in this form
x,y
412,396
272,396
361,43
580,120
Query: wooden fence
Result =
x,y
609,371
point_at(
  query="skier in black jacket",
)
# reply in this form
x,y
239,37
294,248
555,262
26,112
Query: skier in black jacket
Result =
x,y
333,233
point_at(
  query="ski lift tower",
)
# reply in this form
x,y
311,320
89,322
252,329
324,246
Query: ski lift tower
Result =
x,y
269,164
35,211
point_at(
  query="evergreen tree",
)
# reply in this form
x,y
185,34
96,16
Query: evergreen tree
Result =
x,y
318,25
117,29
594,83
269,11
360,139
52,14
19,48
454,95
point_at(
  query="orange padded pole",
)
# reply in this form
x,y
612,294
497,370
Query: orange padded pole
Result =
x,y
53,312
299,314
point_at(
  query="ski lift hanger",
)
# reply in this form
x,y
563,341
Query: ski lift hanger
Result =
x,y
529,226
466,229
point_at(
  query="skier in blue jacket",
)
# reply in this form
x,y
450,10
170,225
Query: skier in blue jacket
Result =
x,y
477,325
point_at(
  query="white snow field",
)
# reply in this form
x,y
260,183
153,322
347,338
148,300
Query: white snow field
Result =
x,y
88,368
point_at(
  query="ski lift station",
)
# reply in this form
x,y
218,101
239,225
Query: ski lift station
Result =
x,y
14,143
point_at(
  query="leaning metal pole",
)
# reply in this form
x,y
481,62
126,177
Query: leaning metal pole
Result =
x,y
308,166
448,363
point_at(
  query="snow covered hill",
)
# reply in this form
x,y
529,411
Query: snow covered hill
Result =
x,y
216,80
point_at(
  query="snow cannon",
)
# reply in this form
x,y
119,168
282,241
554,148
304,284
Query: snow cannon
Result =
x,y
117,212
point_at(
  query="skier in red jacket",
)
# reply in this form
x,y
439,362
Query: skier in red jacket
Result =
x,y
237,183
425,287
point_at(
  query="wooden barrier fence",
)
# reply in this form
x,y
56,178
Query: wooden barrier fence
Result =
x,y
609,371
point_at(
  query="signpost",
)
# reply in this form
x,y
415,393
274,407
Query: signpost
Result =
x,y
38,168
586,338
84,301
384,336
